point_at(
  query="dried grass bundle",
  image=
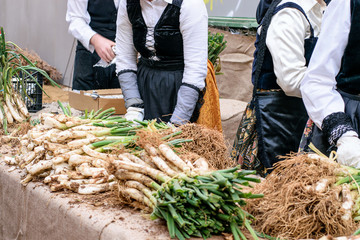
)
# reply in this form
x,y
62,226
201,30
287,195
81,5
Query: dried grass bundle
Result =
x,y
207,143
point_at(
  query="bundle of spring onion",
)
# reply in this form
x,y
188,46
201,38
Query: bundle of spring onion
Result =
x,y
12,72
58,148
307,196
193,200
216,44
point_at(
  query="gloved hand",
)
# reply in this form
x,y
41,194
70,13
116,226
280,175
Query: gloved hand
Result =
x,y
348,151
185,105
134,113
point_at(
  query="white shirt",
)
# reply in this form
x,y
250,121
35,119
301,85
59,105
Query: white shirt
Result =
x,y
319,85
285,41
193,27
79,19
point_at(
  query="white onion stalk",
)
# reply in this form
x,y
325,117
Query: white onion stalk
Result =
x,y
56,178
99,163
94,172
27,159
52,122
39,150
53,146
39,167
170,155
65,156
162,165
68,134
347,202
8,115
90,180
61,168
93,153
136,195
21,105
148,193
134,158
94,188
13,109
30,146
77,159
88,128
1,117
78,143
125,175
44,115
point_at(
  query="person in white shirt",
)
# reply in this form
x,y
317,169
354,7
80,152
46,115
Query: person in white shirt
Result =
x,y
290,30
331,87
165,82
93,24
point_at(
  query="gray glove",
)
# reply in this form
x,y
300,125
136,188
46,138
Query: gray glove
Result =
x,y
185,105
129,88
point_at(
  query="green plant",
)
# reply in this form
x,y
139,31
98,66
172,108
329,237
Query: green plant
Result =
x,y
12,71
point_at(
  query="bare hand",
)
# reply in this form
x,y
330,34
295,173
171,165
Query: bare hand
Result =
x,y
103,47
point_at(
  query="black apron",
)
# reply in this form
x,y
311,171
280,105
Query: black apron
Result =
x,y
317,137
86,77
159,80
280,119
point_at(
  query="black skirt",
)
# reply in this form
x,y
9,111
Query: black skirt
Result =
x,y
159,83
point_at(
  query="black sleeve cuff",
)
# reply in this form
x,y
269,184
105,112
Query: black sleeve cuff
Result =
x,y
335,125
125,71
192,86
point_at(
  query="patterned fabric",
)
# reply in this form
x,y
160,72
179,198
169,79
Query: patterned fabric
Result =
x,y
306,137
210,110
245,146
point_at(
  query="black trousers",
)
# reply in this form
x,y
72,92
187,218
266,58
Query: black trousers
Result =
x,y
87,77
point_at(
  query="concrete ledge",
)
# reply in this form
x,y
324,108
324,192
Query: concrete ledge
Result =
x,y
231,112
34,213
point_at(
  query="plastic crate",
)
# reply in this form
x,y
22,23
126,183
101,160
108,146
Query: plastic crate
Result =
x,y
33,95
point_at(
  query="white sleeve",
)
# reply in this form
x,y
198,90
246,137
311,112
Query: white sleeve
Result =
x,y
78,18
125,51
285,41
319,85
194,30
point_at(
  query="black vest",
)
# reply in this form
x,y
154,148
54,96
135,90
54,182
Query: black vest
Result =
x,y
348,79
103,14
267,78
167,35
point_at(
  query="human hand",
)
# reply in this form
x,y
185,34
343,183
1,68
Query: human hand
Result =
x,y
103,47
134,113
348,152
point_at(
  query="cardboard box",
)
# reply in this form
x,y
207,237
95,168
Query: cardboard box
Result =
x,y
96,99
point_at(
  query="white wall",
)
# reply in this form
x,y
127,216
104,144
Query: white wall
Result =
x,y
40,25
231,8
